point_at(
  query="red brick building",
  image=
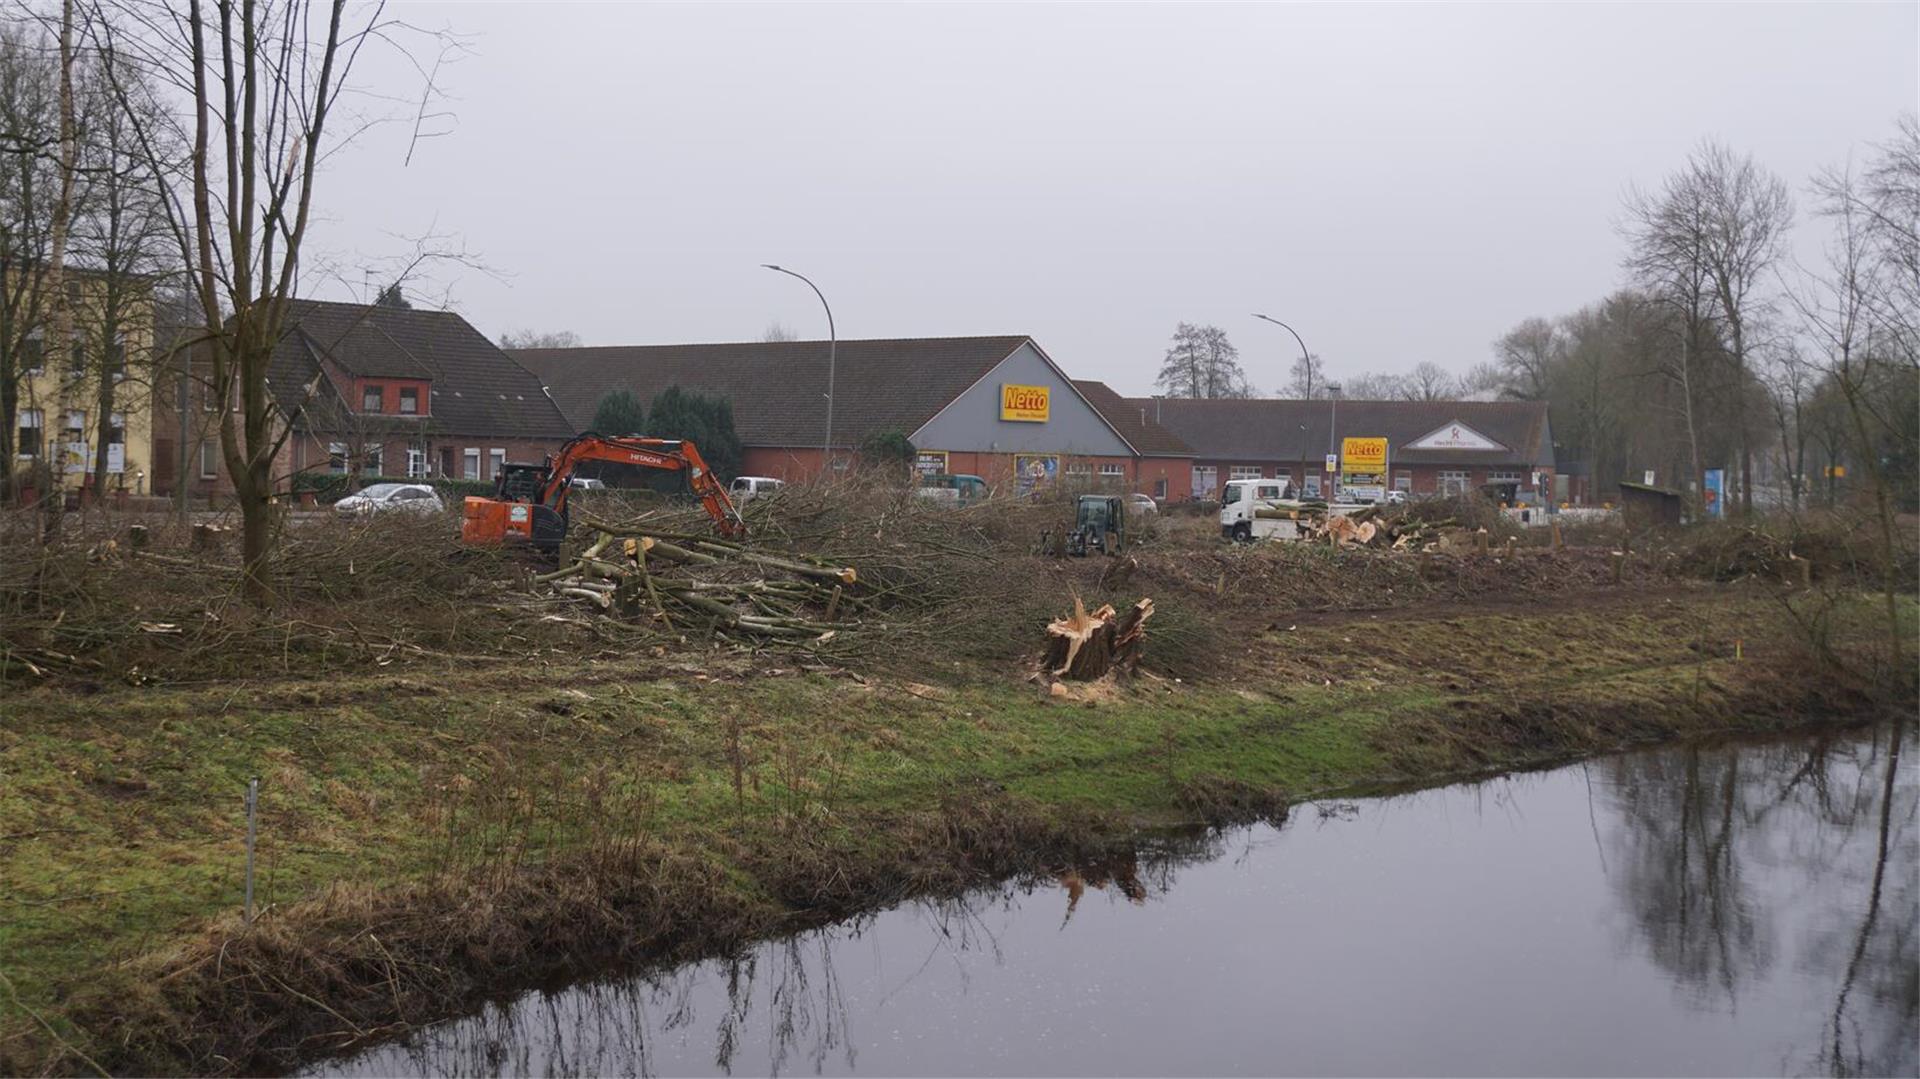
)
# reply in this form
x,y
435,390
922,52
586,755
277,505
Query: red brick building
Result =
x,y
996,407
1434,447
384,391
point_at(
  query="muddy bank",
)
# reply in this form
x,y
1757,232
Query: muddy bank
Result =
x,y
365,961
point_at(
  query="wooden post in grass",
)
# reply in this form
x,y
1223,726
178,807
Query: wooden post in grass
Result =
x,y
1619,559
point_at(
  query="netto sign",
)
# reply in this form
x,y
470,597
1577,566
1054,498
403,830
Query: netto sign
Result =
x,y
1024,404
1363,455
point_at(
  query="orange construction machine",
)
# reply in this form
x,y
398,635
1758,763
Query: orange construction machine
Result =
x,y
529,503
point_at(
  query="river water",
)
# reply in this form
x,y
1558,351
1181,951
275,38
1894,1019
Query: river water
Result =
x,y
1732,909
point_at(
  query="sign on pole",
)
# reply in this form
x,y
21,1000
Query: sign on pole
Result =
x,y
1716,489
1333,462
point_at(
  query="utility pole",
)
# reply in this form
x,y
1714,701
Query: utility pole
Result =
x,y
833,343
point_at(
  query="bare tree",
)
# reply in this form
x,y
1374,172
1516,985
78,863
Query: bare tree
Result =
x,y
1307,377
1202,362
538,339
1428,381
776,332
263,80
1748,212
1372,386
1526,355
29,136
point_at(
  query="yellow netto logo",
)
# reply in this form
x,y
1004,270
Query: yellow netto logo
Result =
x,y
1027,404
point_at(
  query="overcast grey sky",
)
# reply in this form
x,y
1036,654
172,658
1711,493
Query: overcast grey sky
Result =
x,y
1400,182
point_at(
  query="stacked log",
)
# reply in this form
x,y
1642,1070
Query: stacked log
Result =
x,y
723,587
1085,646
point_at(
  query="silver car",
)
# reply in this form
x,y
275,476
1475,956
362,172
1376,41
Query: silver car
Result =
x,y
385,497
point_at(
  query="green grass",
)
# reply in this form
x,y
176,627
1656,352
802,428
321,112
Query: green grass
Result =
x,y
121,819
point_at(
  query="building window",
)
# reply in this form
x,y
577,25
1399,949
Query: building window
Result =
x,y
1503,477
1403,481
117,358
370,398
374,460
416,464
409,401
1313,486
209,461
1205,479
1113,471
1453,483
29,442
496,463
34,356
78,365
1079,469
337,458
76,430
1244,472
470,464
1160,489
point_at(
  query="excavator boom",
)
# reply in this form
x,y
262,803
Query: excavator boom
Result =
x,y
530,502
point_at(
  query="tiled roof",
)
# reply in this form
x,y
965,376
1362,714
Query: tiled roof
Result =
x,y
477,389
778,388
1266,429
1132,420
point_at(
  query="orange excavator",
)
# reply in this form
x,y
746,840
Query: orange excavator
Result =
x,y
529,504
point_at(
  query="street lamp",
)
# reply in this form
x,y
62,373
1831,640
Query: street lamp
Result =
x,y
1333,428
1306,358
833,345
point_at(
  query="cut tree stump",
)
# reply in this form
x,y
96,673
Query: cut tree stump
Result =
x,y
1084,646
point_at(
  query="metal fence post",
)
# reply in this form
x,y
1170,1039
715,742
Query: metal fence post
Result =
x,y
253,804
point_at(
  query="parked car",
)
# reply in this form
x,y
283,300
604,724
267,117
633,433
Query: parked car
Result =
x,y
1396,497
586,483
746,487
384,497
1140,503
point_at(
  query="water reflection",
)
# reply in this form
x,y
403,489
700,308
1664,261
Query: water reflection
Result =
x,y
1739,908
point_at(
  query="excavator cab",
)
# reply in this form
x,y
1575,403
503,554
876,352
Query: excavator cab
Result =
x,y
529,504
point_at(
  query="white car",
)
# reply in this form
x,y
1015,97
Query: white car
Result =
x,y
746,487
385,497
586,483
1139,503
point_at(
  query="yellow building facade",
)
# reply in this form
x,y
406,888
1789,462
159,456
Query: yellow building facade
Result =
x,y
57,419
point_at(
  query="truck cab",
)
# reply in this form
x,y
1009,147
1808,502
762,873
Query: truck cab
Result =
x,y
1241,501
960,489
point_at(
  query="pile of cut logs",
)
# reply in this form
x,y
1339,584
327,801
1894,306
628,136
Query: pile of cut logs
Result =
x,y
697,582
1369,528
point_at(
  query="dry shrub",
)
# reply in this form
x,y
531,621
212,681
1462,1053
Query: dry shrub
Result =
x,y
1840,547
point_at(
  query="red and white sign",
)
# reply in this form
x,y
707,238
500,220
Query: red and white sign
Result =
x,y
1455,436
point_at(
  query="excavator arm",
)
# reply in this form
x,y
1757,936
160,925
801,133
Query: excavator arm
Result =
x,y
540,515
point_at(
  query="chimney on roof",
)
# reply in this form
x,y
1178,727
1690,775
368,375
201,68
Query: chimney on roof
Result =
x,y
1143,417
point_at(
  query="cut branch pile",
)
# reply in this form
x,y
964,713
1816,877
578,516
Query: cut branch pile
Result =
x,y
689,581
1083,646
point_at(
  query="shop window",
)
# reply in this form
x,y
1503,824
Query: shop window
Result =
x,y
29,442
1453,483
470,464
1403,481
370,398
409,401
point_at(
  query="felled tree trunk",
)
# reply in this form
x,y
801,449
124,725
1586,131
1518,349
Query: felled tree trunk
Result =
x,y
1084,646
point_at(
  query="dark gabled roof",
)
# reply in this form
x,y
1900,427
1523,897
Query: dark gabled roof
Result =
x,y
778,388
1267,429
1132,421
476,388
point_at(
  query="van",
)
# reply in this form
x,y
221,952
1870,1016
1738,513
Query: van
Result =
x,y
746,487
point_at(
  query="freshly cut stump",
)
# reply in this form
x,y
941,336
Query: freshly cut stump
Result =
x,y
1084,646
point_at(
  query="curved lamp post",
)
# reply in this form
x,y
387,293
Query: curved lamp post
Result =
x,y
1308,359
833,346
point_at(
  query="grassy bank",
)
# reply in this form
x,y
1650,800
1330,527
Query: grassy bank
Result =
x,y
433,831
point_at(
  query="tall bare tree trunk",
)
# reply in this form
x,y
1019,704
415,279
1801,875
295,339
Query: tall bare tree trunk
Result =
x,y
57,269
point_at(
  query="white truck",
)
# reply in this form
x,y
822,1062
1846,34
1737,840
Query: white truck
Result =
x,y
1241,501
